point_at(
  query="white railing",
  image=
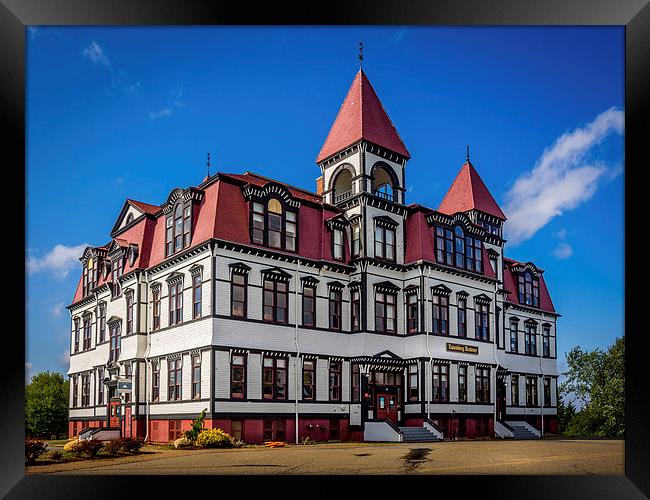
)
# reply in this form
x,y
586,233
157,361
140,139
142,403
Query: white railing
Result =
x,y
339,197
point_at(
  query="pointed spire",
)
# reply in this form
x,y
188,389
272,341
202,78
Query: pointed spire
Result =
x,y
468,192
362,116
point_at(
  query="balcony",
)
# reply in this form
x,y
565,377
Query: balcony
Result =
x,y
384,195
340,197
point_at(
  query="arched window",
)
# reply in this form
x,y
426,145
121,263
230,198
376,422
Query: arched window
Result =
x,y
273,225
129,219
382,184
528,289
343,186
455,248
178,228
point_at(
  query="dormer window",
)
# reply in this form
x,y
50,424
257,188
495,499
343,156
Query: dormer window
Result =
x,y
118,270
456,248
339,252
273,225
89,276
528,289
178,228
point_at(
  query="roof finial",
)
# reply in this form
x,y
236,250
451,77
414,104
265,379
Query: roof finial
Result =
x,y
467,154
360,55
208,164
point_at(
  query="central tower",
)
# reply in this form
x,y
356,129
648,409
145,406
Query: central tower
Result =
x,y
362,164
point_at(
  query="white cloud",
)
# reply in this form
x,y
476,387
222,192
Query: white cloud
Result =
x,y
60,260
64,358
57,309
562,178
563,250
177,102
160,114
96,54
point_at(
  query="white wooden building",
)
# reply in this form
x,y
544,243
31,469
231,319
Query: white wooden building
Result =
x,y
343,311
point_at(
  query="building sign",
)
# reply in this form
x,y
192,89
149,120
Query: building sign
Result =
x,y
124,385
462,348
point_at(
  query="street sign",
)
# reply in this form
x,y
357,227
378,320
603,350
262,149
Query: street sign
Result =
x,y
124,385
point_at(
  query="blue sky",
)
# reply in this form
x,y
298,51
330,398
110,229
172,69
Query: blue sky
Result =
x,y
131,112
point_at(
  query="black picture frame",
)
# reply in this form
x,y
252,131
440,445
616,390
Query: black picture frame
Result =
x,y
15,15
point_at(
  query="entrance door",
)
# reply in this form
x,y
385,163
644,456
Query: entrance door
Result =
x,y
501,399
114,414
387,406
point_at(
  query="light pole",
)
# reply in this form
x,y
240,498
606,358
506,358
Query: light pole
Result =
x,y
453,425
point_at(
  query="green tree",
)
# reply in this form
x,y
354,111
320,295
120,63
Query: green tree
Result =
x,y
596,379
46,405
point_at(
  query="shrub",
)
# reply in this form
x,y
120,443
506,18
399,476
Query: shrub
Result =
x,y
197,427
56,455
90,448
130,445
214,438
72,447
34,449
112,446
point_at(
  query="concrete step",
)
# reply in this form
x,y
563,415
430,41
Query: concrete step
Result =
x,y
417,435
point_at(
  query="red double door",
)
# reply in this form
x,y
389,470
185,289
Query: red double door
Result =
x,y
386,404
114,414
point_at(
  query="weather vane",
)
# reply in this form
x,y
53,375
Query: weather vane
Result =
x,y
208,164
360,55
467,154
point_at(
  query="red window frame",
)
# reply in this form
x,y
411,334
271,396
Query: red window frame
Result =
x,y
115,345
238,283
196,376
440,306
174,379
413,386
412,315
129,314
86,333
482,321
175,304
238,371
275,378
197,287
355,310
275,302
462,317
309,380
309,306
385,301
335,372
462,383
336,309
174,430
156,309
155,381
440,383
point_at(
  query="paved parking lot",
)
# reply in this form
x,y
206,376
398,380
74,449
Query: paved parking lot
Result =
x,y
552,456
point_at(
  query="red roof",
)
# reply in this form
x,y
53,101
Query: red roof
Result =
x,y
145,207
468,192
361,117
259,180
509,283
